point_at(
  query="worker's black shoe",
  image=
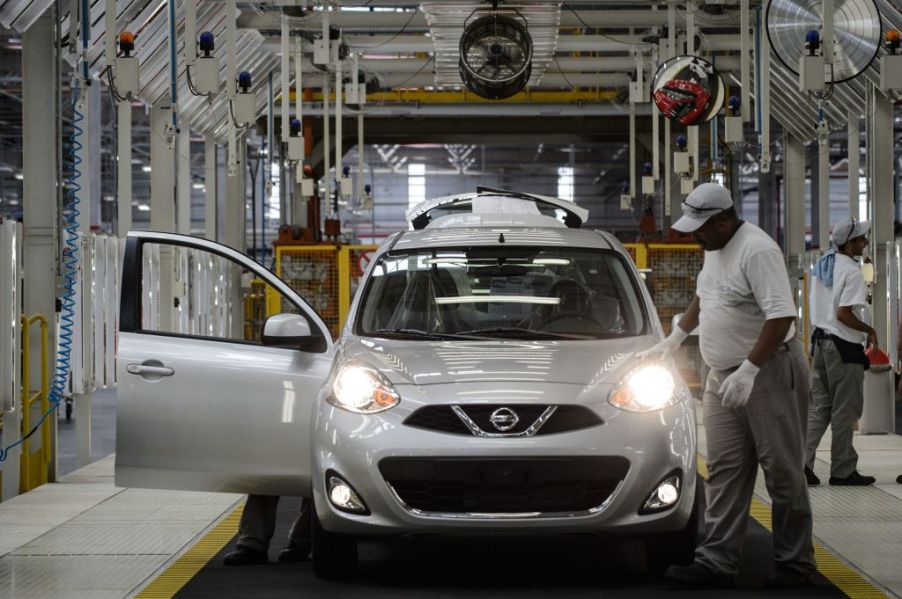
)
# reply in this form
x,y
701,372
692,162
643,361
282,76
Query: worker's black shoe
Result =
x,y
699,575
787,579
244,556
853,480
295,553
811,477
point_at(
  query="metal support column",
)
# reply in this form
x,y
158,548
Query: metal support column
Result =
x,y
41,244
211,185
881,201
162,199
124,167
234,231
854,148
183,197
823,195
793,197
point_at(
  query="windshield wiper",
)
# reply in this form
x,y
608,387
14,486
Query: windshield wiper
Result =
x,y
521,333
417,334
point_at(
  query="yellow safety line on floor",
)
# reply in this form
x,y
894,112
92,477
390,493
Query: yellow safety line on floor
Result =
x,y
831,567
167,584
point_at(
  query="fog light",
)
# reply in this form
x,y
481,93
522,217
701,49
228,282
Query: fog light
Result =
x,y
665,495
343,496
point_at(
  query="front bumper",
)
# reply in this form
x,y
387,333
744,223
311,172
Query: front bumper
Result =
x,y
652,445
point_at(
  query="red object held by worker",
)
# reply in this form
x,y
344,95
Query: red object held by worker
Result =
x,y
876,356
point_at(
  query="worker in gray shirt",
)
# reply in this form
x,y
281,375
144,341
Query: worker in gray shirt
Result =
x,y
837,300
756,394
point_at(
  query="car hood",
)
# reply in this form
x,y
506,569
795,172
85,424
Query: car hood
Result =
x,y
441,362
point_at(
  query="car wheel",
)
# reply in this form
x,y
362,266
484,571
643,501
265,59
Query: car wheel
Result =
x,y
675,548
334,555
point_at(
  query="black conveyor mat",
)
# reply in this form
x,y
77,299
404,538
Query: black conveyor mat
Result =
x,y
442,566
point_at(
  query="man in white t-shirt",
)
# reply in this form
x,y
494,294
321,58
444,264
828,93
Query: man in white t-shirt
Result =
x,y
755,397
838,298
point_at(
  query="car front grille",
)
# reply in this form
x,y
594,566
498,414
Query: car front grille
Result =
x,y
548,485
442,418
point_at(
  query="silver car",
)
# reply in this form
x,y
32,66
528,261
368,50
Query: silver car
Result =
x,y
485,382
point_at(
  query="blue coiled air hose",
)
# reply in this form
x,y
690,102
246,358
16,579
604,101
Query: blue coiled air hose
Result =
x,y
70,274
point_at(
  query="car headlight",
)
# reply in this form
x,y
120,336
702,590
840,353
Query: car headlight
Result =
x,y
362,389
646,389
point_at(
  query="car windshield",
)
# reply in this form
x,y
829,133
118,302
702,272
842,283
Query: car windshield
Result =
x,y
503,292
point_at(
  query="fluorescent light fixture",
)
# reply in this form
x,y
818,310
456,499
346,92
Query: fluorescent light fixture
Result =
x,y
146,168
198,186
19,176
556,261
446,261
500,299
143,207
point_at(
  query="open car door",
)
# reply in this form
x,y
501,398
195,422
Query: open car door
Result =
x,y
206,401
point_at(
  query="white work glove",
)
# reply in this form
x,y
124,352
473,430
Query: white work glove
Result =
x,y
737,387
666,346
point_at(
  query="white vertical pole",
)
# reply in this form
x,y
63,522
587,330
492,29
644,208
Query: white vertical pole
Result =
x,y
744,51
231,76
286,90
109,34
854,145
339,88
183,202
632,114
764,83
690,50
190,33
124,167
211,183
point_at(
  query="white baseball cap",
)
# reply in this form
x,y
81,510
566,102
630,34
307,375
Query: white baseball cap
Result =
x,y
849,228
705,201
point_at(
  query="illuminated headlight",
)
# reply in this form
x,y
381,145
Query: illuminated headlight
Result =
x,y
362,389
646,389
664,496
343,496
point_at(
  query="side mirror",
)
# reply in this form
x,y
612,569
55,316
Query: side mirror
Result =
x,y
290,331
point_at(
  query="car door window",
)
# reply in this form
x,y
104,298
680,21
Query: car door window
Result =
x,y
212,296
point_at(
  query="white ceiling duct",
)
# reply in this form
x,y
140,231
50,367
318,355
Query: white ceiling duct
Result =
x,y
446,25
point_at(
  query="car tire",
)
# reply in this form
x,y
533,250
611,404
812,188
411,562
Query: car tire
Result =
x,y
334,555
675,548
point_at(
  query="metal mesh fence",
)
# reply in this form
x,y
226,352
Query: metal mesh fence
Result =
x,y
674,269
312,271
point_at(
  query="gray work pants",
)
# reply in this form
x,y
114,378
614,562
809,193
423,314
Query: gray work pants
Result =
x,y
836,399
258,523
769,430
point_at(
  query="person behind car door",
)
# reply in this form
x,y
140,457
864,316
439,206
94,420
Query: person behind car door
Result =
x,y
755,397
257,526
837,298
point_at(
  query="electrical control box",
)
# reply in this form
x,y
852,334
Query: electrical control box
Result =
x,y
648,184
732,129
244,109
681,163
355,94
687,184
345,186
811,74
321,52
626,201
127,75
891,72
307,187
205,75
639,94
295,148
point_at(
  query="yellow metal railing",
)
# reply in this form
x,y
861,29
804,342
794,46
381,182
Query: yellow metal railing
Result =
x,y
34,464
